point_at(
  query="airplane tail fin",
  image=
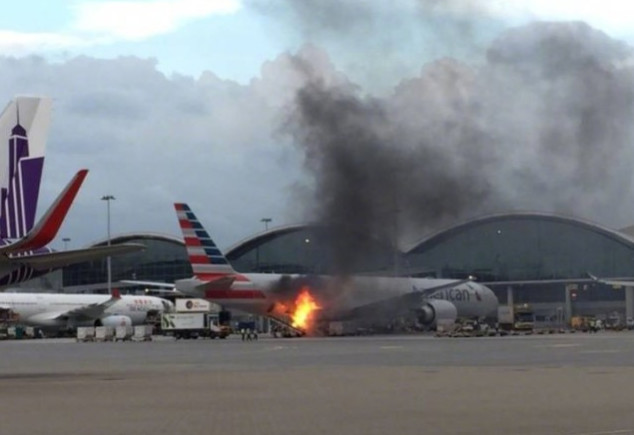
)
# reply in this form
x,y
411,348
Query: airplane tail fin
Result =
x,y
208,262
24,127
46,229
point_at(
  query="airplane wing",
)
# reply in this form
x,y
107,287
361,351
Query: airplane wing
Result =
x,y
399,305
165,285
63,258
91,311
49,224
193,285
612,282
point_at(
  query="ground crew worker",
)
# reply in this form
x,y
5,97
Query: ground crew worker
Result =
x,y
243,332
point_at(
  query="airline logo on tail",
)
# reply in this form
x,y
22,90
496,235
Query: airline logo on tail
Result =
x,y
207,261
23,252
23,130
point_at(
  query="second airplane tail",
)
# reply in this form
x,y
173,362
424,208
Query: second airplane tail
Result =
x,y
46,229
207,261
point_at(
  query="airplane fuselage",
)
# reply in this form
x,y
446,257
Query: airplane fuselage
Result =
x,y
427,300
256,293
48,309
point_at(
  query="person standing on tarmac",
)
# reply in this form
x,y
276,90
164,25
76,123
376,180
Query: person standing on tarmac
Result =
x,y
243,332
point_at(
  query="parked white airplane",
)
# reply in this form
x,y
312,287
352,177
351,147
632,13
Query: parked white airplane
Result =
x,y
68,311
430,301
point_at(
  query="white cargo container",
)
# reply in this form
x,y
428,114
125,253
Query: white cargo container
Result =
x,y
142,333
104,333
191,305
123,332
85,333
505,315
340,328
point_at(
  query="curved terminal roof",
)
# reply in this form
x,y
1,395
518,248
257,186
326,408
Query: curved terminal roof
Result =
x,y
439,236
164,259
308,248
257,239
523,246
128,237
499,247
516,246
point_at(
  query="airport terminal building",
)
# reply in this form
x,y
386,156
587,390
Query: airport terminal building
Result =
x,y
163,260
536,258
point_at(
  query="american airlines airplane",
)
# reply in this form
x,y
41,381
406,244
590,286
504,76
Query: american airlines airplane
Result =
x,y
430,301
68,311
24,253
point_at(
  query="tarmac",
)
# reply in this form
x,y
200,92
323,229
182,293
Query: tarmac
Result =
x,y
569,384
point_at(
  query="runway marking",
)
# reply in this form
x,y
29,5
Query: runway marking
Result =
x,y
607,432
559,345
277,348
601,351
391,347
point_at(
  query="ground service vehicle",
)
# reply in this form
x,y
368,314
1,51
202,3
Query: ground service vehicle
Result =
x,y
523,318
516,318
192,325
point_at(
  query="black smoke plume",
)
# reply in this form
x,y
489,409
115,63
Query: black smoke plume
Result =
x,y
544,124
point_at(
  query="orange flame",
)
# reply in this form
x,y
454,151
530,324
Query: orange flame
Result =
x,y
279,309
305,304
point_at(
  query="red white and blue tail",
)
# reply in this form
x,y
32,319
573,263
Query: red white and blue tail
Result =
x,y
208,262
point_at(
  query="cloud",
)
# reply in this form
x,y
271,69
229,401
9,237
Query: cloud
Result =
x,y
532,126
542,124
612,16
151,140
136,20
16,43
97,23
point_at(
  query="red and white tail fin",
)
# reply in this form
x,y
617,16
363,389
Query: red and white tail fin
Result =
x,y
208,262
46,229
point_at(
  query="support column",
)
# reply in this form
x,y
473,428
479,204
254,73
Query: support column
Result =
x,y
509,296
569,288
629,302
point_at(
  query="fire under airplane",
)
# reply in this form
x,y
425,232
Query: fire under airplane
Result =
x,y
430,301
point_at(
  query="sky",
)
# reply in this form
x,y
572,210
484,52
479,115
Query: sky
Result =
x,y
196,100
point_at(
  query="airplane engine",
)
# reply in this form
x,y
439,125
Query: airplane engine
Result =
x,y
437,312
114,321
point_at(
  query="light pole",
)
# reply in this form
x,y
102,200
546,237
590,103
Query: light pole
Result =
x,y
108,198
266,223
66,240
